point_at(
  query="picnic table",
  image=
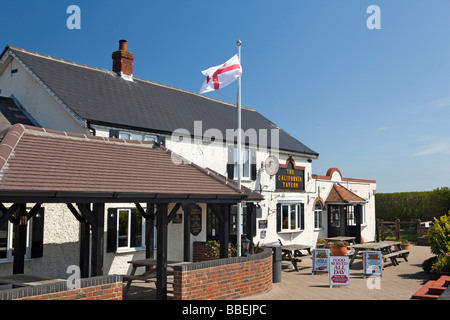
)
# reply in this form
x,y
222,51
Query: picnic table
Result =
x,y
350,240
24,280
294,254
148,275
385,247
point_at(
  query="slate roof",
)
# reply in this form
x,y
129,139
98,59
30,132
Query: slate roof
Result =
x,y
340,194
11,114
101,97
54,162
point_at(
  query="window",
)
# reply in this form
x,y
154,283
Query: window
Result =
x,y
290,217
363,215
130,232
318,216
351,219
34,239
135,136
335,216
245,163
249,170
233,219
6,241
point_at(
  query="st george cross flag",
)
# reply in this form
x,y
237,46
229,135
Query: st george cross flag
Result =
x,y
222,75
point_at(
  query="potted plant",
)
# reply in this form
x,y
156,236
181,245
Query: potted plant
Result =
x,y
339,248
321,243
405,246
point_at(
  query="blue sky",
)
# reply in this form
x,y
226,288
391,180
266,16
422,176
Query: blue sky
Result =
x,y
374,103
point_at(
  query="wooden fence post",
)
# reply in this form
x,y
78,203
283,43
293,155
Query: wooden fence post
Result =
x,y
397,229
419,228
378,230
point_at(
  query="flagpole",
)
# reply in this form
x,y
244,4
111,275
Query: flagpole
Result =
x,y
239,171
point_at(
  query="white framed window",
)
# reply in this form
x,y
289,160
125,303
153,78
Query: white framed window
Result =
x,y
290,217
7,241
245,163
130,230
136,136
351,219
318,213
363,215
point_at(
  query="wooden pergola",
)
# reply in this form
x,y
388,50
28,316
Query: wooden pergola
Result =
x,y
40,166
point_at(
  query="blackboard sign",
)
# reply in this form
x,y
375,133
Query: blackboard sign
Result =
x,y
288,179
196,220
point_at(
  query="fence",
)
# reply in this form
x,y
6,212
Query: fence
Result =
x,y
396,228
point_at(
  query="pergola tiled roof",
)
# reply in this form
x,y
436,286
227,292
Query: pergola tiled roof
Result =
x,y
340,194
46,163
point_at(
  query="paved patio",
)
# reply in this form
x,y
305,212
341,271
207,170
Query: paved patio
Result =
x,y
398,282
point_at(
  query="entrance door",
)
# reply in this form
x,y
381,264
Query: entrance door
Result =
x,y
344,220
353,227
336,220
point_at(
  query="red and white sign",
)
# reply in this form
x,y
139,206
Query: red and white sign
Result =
x,y
339,271
222,75
320,260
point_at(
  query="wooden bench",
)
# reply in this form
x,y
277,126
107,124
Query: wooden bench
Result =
x,y
393,256
295,260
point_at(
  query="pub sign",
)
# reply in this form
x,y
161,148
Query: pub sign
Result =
x,y
196,220
290,178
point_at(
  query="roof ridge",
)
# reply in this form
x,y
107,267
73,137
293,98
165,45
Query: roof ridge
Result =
x,y
77,64
11,138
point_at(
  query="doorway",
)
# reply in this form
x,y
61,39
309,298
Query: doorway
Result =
x,y
344,220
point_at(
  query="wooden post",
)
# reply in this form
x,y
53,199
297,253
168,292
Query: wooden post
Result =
x,y
187,232
150,231
85,237
20,240
377,229
419,228
381,230
98,232
161,255
397,229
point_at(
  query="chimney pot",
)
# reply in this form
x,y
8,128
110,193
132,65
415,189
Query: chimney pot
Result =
x,y
123,45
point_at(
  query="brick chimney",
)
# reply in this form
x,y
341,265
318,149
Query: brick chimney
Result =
x,y
123,61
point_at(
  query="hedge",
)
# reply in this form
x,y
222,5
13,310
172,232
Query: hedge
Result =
x,y
410,206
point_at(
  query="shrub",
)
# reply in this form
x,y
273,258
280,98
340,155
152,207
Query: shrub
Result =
x,y
428,263
442,263
214,250
439,235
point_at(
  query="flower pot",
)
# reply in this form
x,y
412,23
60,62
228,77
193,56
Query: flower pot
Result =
x,y
338,250
405,246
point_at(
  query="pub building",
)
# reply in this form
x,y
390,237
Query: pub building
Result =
x,y
290,204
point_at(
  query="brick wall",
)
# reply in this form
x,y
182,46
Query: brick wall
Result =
x,y
98,288
222,279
